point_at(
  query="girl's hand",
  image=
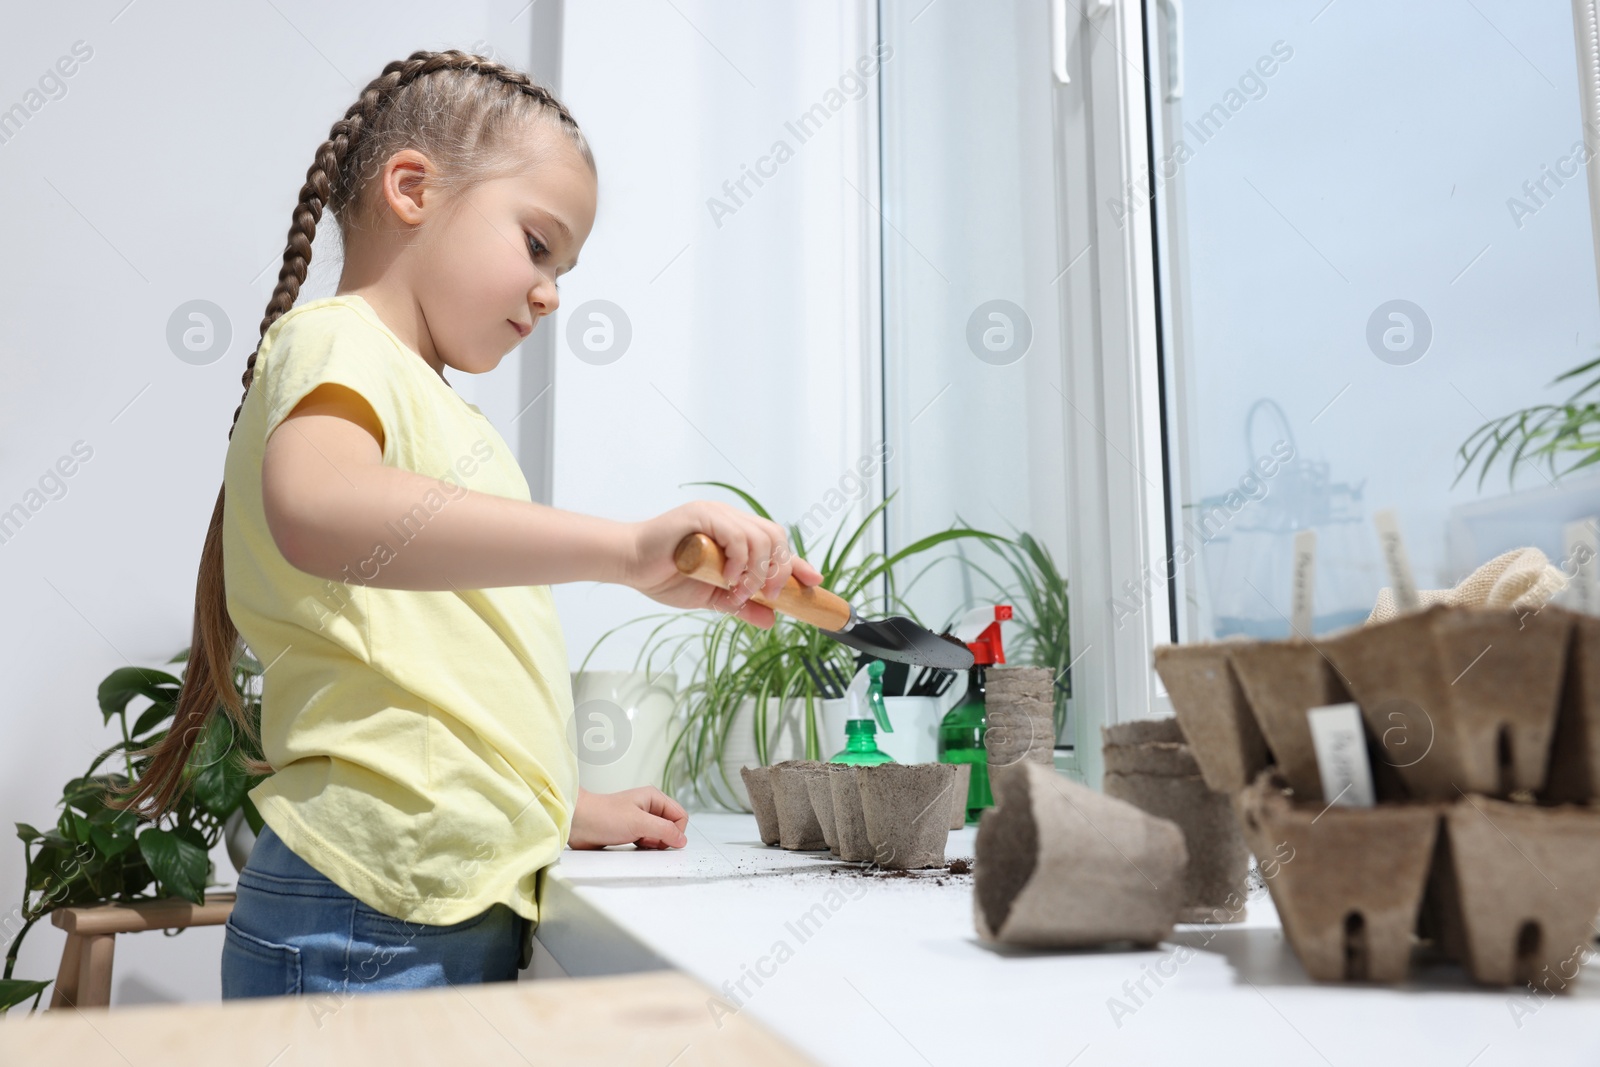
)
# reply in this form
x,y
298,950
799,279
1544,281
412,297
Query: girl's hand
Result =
x,y
757,553
644,816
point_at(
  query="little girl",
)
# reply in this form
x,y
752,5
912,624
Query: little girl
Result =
x,y
379,553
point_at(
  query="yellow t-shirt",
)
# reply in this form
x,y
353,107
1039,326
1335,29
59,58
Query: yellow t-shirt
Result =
x,y
419,739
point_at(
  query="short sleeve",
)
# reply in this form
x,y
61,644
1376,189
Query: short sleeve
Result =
x,y
330,345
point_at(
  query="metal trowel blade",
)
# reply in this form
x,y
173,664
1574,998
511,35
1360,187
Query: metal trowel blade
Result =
x,y
903,641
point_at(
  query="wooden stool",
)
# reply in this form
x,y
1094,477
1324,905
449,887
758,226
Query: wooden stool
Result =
x,y
84,980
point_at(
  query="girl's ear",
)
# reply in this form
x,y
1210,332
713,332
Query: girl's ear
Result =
x,y
408,187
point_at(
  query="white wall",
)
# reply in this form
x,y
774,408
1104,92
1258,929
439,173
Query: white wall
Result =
x,y
167,172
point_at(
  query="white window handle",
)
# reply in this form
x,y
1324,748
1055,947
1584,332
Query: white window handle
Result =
x,y
1058,32
1058,41
1174,48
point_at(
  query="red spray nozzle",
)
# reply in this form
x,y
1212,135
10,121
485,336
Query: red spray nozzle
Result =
x,y
987,648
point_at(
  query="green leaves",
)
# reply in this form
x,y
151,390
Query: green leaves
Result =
x,y
1039,596
14,991
178,860
918,547
153,716
252,816
736,665
220,781
59,873
1544,433
125,683
751,502
109,843
97,853
86,794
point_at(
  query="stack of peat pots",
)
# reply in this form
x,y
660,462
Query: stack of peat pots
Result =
x,y
1019,711
1483,732
1150,765
895,815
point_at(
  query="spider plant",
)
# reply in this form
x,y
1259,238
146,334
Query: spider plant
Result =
x,y
1544,432
1037,591
733,661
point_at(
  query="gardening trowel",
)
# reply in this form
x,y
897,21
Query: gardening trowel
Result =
x,y
896,638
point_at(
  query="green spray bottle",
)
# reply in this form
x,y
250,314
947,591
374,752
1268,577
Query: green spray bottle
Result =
x,y
961,732
867,713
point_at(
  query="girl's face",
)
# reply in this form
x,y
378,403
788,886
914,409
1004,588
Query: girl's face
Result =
x,y
481,268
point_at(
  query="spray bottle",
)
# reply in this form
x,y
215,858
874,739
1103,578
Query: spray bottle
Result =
x,y
865,703
961,733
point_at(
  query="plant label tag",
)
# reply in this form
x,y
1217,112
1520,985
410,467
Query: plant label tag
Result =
x,y
1341,745
1581,544
1303,586
1396,560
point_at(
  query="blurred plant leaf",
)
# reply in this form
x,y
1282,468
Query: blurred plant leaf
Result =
x,y
96,853
1541,435
252,816
125,683
178,863
14,991
153,716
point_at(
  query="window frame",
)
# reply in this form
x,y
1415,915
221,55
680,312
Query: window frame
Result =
x,y
1119,561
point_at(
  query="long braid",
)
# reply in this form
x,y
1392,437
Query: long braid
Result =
x,y
330,183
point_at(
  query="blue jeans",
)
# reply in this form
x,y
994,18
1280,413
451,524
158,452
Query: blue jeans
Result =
x,y
294,931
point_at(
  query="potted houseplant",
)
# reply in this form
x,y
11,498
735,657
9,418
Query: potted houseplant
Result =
x,y
97,854
749,694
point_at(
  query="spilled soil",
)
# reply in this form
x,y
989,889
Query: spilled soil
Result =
x,y
952,870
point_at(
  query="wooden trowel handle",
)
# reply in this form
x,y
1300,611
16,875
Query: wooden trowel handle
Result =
x,y
701,558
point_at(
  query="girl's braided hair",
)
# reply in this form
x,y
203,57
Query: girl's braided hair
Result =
x,y
463,112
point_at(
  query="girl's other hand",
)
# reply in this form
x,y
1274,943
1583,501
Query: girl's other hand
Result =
x,y
643,816
756,550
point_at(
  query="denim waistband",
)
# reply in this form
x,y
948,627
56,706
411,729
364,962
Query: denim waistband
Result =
x,y
274,866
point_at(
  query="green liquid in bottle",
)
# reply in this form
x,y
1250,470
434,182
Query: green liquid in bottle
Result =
x,y
961,740
861,745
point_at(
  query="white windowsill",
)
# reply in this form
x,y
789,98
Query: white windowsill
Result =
x,y
890,971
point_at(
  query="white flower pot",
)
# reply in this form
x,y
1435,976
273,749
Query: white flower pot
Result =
x,y
619,728
239,838
786,739
915,738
